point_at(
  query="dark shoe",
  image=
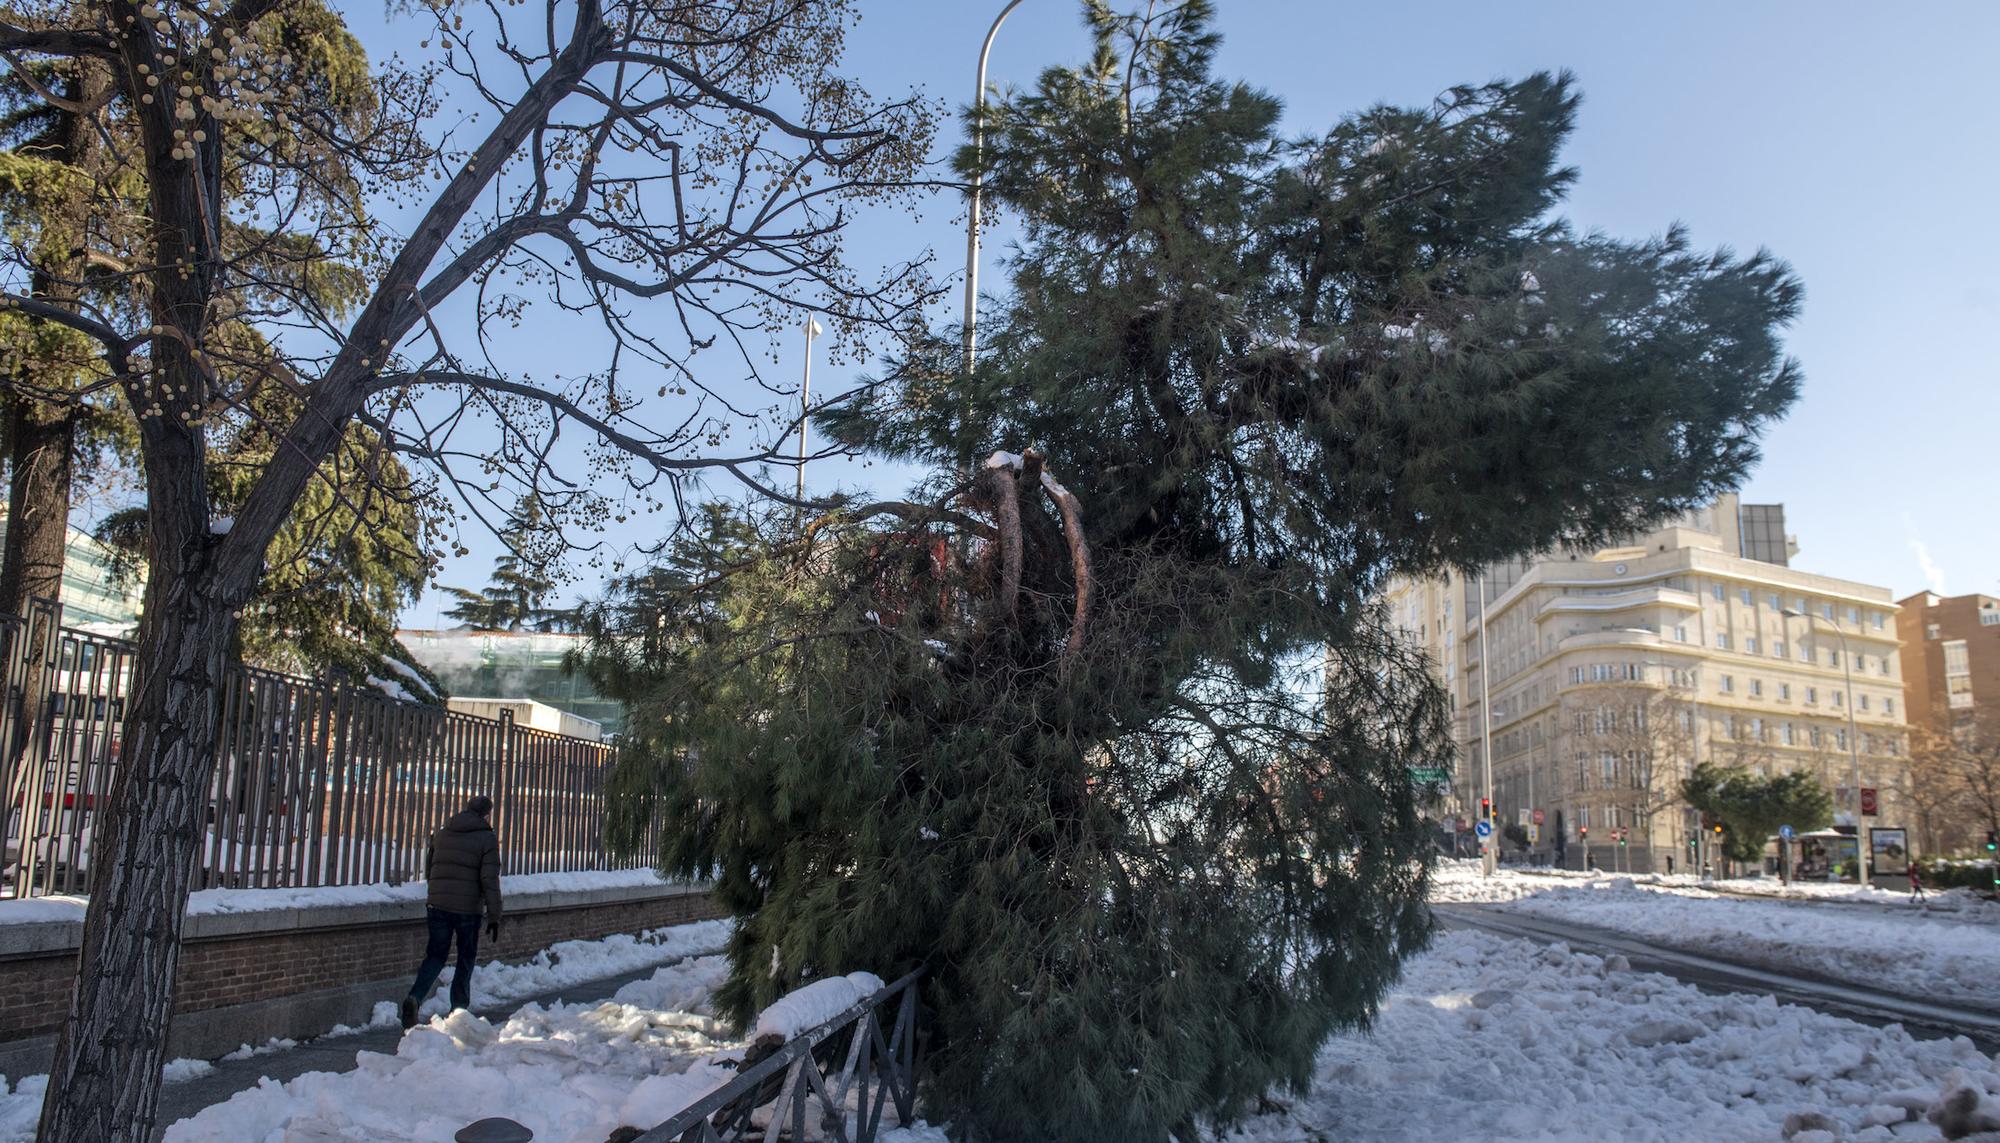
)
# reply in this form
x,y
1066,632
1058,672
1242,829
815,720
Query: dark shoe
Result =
x,y
409,1012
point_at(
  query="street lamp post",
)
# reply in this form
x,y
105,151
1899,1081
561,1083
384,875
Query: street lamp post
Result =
x,y
972,209
1861,853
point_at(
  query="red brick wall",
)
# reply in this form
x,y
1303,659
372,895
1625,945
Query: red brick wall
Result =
x,y
219,971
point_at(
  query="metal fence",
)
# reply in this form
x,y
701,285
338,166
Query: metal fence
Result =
x,y
847,1073
315,784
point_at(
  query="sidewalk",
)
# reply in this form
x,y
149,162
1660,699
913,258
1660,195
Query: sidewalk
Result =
x,y
337,1053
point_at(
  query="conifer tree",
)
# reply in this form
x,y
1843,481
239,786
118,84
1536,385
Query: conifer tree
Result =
x,y
1102,730
523,577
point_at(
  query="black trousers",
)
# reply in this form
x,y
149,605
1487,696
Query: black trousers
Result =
x,y
445,928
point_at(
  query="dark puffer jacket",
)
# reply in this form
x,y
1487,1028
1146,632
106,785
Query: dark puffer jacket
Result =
x,y
462,865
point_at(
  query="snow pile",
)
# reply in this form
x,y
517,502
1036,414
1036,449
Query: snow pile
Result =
x,y
1909,950
568,963
1513,1040
568,1072
206,901
807,1008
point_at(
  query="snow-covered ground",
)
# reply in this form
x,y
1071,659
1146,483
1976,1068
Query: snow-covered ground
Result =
x,y
559,966
1949,953
569,1072
1497,1039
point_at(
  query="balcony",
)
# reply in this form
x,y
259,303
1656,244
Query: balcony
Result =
x,y
1637,596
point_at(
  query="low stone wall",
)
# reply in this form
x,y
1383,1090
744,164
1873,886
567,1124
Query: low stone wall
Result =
x,y
248,976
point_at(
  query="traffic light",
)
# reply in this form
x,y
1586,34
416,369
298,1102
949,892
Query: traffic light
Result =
x,y
1992,840
1583,833
1623,834
1718,827
1486,809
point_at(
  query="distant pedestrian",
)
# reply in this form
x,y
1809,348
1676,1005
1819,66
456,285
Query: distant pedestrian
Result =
x,y
462,867
1916,883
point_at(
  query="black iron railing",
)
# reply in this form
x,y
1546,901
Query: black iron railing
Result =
x,y
797,1093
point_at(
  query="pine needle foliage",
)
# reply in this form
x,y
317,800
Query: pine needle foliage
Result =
x,y
1138,794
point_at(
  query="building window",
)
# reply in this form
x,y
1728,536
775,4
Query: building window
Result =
x,y
1854,615
1721,642
1875,619
1756,688
1839,699
1805,653
1812,696
1778,648
1813,735
1716,589
1833,658
1576,674
1957,675
1772,599
1862,701
1729,726
1787,734
1888,705
1886,670
1932,631
1840,739
1750,645
1757,729
1989,617
1826,612
1784,692
1749,597
1681,632
1728,684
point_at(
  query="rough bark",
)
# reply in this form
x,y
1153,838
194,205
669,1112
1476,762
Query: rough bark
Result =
x,y
104,1082
43,445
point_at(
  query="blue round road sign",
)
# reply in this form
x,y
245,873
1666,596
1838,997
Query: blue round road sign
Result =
x,y
1483,829
1785,832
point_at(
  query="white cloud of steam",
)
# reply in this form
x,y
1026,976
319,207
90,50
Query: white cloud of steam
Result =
x,y
1933,574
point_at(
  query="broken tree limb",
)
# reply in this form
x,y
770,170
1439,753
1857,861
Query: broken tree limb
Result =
x,y
1079,555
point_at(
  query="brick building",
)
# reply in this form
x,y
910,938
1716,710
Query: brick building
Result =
x,y
1951,658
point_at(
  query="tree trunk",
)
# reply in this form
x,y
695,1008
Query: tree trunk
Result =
x,y
105,1083
43,444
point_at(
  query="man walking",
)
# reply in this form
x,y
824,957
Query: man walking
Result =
x,y
1916,883
462,867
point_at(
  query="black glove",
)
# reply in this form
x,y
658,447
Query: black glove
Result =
x,y
492,930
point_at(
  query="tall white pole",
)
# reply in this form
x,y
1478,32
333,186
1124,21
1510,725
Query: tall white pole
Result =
x,y
805,402
972,209
1488,845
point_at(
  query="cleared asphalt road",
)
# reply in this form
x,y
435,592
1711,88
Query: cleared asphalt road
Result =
x,y
1923,1018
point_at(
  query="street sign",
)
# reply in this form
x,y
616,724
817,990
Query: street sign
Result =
x,y
1534,835
1538,817
1868,801
1521,817
1429,775
1785,832
1483,829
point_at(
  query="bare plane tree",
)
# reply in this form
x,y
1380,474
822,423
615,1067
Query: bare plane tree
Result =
x,y
669,180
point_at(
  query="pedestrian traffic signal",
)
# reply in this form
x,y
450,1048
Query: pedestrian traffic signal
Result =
x,y
1623,835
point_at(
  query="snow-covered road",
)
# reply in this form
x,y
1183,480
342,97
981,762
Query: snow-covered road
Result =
x,y
1950,953
1498,1039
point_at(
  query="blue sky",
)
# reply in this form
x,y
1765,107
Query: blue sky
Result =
x,y
1857,141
